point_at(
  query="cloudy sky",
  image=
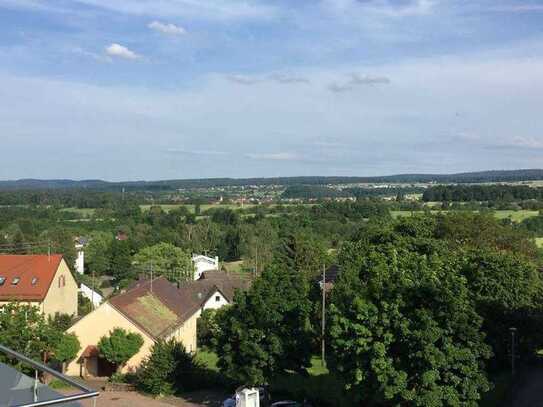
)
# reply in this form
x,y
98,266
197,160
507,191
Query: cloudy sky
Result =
x,y
158,89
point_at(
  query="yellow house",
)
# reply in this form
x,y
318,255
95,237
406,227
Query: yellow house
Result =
x,y
154,309
41,280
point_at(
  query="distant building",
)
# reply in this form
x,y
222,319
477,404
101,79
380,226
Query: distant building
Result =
x,y
41,280
204,263
121,236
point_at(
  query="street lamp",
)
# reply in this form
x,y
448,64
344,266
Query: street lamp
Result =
x,y
513,332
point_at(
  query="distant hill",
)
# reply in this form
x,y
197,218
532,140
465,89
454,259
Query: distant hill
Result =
x,y
466,177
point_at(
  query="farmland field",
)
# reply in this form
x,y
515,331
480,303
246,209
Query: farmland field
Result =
x,y
82,211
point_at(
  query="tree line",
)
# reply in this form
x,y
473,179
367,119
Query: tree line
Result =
x,y
467,193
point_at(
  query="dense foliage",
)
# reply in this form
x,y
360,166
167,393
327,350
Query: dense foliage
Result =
x,y
466,193
410,322
24,329
267,329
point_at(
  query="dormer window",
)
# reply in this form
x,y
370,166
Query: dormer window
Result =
x,y
2,280
15,280
34,281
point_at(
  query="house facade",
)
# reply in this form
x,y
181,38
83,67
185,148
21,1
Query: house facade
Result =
x,y
155,310
44,281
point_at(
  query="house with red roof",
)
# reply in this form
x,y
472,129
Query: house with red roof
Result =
x,y
42,280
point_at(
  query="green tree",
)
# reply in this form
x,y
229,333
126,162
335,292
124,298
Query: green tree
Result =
x,y
508,292
23,328
121,260
66,349
267,329
60,322
403,330
98,253
208,329
119,346
168,368
166,259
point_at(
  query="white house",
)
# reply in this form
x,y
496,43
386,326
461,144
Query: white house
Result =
x,y
92,295
215,289
204,263
80,243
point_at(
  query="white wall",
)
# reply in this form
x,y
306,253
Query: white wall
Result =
x,y
204,263
93,296
80,260
216,301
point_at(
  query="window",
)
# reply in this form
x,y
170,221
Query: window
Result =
x,y
61,281
15,280
217,298
2,280
34,281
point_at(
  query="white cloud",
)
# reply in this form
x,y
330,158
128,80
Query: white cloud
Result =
x,y
137,132
166,28
120,51
244,79
92,55
358,80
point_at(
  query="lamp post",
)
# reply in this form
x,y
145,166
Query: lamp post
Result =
x,y
513,331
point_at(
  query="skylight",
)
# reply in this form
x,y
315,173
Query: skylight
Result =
x,y
15,280
2,280
34,281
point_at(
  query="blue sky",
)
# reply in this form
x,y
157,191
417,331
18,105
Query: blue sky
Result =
x,y
159,89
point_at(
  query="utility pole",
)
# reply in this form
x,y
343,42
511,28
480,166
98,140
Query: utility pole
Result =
x,y
256,260
151,278
93,288
513,332
323,323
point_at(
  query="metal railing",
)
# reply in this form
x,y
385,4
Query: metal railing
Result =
x,y
86,392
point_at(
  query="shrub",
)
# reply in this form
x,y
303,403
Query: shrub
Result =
x,y
120,346
168,369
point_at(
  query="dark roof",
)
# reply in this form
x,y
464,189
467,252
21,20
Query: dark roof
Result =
x,y
227,283
157,312
33,275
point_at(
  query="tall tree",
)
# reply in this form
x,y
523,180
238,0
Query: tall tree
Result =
x,y
267,329
166,259
403,330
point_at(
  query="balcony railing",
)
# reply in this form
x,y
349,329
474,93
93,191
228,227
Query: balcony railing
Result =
x,y
84,391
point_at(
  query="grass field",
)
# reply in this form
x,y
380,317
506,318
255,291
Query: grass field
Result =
x,y
233,266
82,211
